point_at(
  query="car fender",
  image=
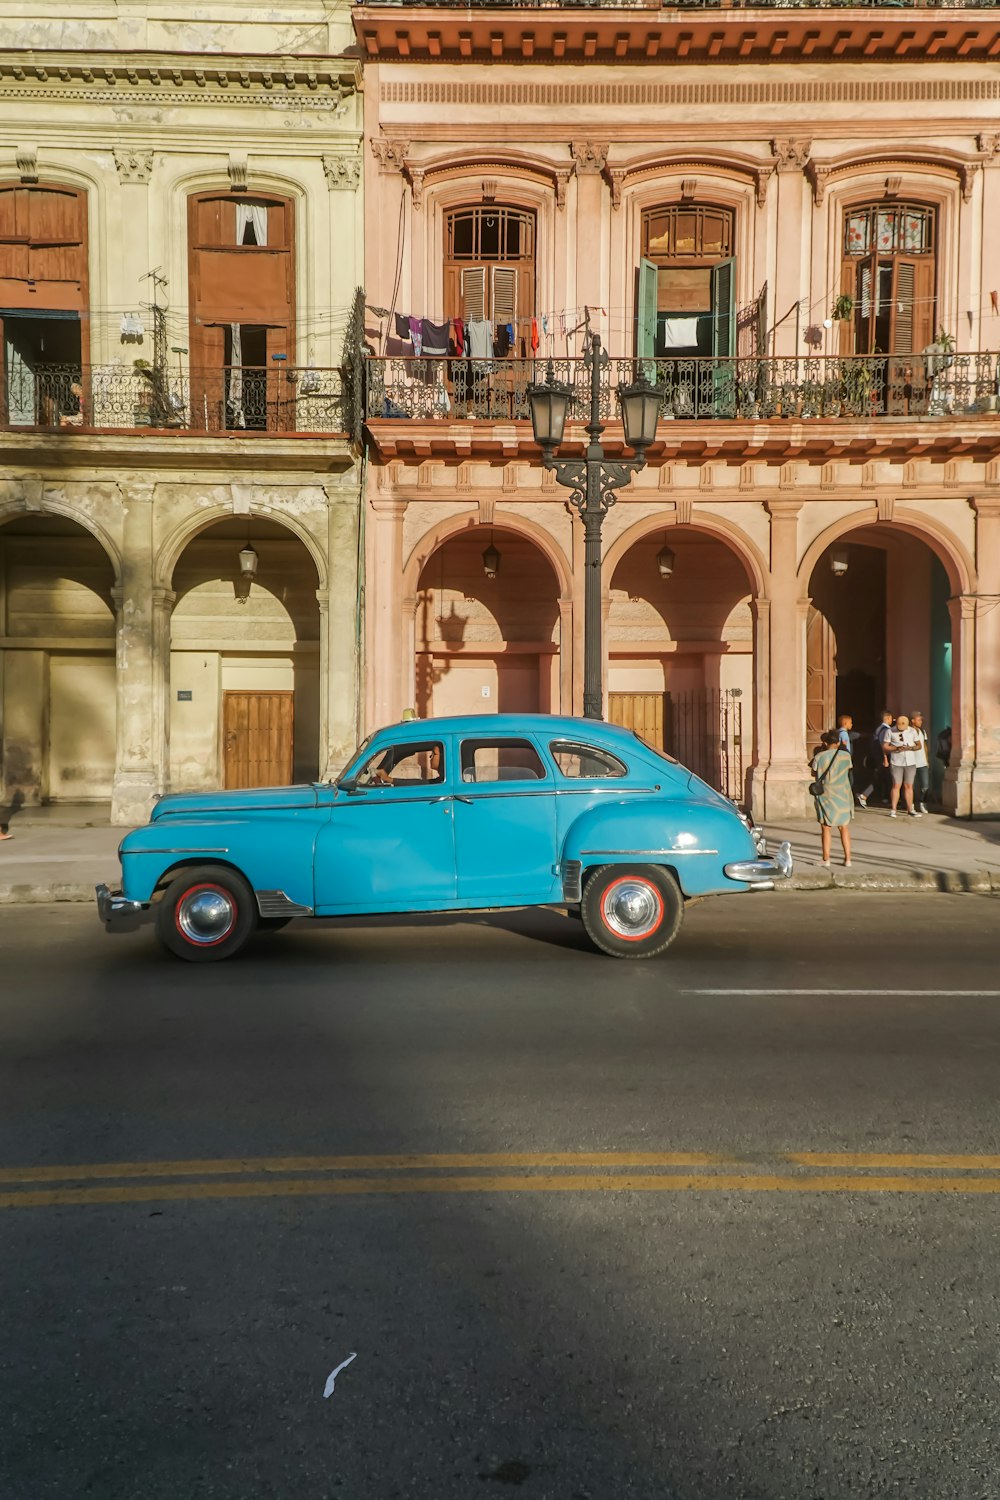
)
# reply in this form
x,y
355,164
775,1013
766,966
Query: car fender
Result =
x,y
274,854
695,840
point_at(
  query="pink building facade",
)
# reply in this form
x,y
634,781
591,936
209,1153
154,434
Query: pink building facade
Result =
x,y
789,219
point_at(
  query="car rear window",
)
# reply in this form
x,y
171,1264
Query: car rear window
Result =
x,y
579,762
501,760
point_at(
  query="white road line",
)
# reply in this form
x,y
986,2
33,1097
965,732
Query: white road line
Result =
x,y
874,994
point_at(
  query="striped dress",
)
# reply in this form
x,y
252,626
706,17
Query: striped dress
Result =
x,y
836,804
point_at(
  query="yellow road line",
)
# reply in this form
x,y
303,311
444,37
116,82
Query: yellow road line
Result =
x,y
876,1159
313,1187
241,1165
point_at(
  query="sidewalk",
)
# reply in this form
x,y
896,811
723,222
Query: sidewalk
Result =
x,y
55,856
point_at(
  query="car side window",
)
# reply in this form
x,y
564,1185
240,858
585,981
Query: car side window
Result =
x,y
501,760
585,762
403,765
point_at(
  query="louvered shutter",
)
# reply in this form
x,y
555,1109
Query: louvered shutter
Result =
x,y
645,336
923,302
723,300
849,288
504,294
902,320
474,293
761,328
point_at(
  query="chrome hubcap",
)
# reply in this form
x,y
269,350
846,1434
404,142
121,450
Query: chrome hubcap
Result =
x,y
632,908
206,915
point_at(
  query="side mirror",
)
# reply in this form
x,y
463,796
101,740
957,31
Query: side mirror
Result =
x,y
350,787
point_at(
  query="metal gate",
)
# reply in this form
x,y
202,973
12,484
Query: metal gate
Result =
x,y
704,730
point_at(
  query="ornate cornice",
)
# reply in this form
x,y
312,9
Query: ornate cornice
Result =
x,y
390,154
591,157
791,155
150,76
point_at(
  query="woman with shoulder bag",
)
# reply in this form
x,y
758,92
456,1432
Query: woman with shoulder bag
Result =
x,y
833,793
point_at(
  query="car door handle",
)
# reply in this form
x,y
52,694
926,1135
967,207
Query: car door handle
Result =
x,y
459,798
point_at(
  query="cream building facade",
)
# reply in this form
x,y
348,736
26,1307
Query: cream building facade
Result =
x,y
790,218
180,244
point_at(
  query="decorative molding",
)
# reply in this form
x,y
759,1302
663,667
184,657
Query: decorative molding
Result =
x,y
992,474
893,185
988,144
549,481
706,477
950,473
666,478
909,479
416,176
26,161
508,483
342,172
632,96
885,504
869,476
748,473
967,174
786,477
562,177
390,154
489,190
463,478
487,509
237,167
591,157
134,163
819,176
684,508
425,476
616,177
828,477
791,155
763,176
689,187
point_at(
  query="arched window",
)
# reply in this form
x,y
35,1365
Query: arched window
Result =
x,y
687,282
43,301
241,272
888,272
489,269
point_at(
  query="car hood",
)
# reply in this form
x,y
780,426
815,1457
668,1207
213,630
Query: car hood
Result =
x,y
255,799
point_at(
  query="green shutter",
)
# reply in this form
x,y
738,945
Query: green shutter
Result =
x,y
645,342
724,308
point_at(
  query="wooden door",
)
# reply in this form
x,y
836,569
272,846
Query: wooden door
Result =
x,y
642,712
821,678
257,732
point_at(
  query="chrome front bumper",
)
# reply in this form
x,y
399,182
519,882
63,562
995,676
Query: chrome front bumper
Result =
x,y
762,873
118,914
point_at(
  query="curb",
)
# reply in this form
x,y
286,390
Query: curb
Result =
x,y
947,882
37,894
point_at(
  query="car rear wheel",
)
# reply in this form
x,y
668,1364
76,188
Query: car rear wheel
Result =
x,y
631,911
206,914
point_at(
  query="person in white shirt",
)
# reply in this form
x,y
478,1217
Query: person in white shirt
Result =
x,y
922,780
903,743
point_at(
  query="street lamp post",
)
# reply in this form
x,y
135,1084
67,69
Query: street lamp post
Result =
x,y
593,481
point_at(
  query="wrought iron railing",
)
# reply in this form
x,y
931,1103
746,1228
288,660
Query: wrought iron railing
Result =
x,y
703,728
932,384
225,399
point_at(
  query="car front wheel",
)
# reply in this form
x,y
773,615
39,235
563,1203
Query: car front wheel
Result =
x,y
206,914
631,911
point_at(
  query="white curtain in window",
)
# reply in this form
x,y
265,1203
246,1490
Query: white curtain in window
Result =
x,y
255,214
236,374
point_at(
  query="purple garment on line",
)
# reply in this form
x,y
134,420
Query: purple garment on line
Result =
x,y
417,334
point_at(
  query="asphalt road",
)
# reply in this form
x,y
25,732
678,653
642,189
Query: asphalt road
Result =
x,y
719,1225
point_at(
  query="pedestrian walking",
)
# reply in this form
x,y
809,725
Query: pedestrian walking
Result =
x,y
922,780
942,750
903,744
833,793
879,760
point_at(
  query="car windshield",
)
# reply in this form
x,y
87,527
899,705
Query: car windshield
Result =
x,y
353,760
662,754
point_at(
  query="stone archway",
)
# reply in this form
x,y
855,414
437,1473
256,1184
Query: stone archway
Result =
x,y
245,702
680,641
57,668
879,635
487,644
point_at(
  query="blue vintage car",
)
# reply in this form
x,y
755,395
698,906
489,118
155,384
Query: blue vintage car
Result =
x,y
448,815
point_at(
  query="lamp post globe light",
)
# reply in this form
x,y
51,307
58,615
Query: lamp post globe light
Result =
x,y
592,481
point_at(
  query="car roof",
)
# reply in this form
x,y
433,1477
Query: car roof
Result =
x,y
486,725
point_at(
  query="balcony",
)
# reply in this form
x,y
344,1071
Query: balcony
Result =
x,y
238,400
817,405
671,5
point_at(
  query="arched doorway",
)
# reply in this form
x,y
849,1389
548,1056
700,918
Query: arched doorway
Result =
x,y
680,641
57,665
487,627
244,660
879,635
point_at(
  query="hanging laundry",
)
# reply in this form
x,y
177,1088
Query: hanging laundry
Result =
x,y
480,338
434,336
402,324
398,348
545,324
502,342
510,334
459,326
562,325
679,333
524,351
534,335
416,334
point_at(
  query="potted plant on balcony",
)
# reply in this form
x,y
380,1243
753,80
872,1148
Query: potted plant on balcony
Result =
x,y
154,407
843,309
